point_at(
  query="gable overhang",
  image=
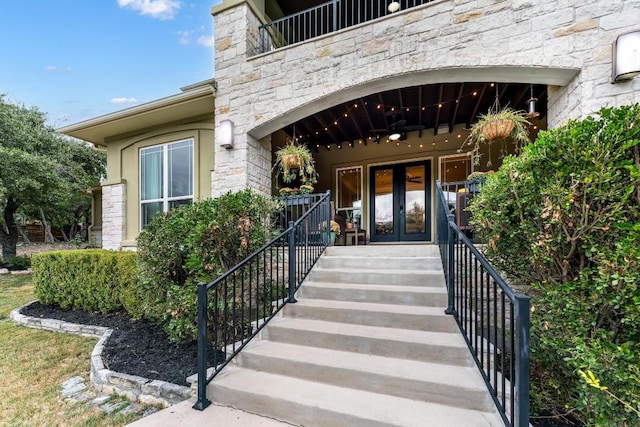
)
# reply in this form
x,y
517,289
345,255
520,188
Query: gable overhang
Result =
x,y
194,101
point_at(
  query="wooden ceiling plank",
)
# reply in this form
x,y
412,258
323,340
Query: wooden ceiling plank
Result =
x,y
439,108
454,116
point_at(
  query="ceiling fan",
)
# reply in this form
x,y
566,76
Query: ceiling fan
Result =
x,y
397,130
413,179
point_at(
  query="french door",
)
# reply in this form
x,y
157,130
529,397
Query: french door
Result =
x,y
401,202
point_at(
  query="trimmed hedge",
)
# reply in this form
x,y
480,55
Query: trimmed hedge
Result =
x,y
87,279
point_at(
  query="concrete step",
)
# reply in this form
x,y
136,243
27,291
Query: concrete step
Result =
x,y
387,276
384,251
352,262
310,403
388,294
457,386
388,342
373,314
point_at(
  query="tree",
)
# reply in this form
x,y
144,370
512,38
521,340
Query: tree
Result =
x,y
39,169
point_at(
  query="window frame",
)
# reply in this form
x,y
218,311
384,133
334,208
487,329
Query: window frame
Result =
x,y
165,199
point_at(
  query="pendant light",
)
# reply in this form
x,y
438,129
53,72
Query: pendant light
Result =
x,y
394,6
532,113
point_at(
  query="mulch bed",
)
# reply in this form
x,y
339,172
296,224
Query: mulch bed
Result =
x,y
136,347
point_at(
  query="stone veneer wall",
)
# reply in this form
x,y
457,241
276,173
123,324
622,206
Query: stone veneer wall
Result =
x,y
113,215
248,164
447,40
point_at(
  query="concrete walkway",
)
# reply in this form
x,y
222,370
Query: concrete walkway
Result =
x,y
183,415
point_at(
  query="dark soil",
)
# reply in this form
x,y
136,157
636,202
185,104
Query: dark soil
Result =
x,y
551,420
136,347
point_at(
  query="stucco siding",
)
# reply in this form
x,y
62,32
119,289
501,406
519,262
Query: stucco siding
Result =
x,y
123,159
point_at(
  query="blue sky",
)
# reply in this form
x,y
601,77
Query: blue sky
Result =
x,y
78,59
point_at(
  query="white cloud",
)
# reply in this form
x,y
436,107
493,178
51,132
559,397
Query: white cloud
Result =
x,y
124,100
206,41
161,9
184,37
56,68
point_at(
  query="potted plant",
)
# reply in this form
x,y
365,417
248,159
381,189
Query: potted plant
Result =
x,y
306,189
349,218
295,162
288,191
334,230
499,125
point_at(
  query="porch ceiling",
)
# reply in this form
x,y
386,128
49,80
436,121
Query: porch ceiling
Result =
x,y
289,7
427,109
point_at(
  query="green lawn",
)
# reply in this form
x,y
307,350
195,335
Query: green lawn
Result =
x,y
33,365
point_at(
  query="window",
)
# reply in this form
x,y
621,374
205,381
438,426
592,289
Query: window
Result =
x,y
166,178
349,193
455,168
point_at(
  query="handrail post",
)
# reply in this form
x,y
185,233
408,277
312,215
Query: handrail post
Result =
x,y
450,269
335,15
522,362
202,401
292,262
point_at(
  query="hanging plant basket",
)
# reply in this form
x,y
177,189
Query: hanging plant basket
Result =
x,y
292,161
295,165
498,129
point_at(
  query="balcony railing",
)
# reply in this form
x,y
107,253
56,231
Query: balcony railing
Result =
x,y
493,319
323,19
237,305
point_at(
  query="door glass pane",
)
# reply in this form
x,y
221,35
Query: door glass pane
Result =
x,y
181,169
384,201
414,199
151,173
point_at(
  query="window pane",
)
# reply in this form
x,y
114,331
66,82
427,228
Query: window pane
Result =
x,y
149,210
455,168
151,173
176,203
181,169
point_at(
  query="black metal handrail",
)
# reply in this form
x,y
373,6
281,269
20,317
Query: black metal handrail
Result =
x,y
323,19
492,317
250,294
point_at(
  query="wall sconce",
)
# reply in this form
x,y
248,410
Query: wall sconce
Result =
x,y
394,6
626,57
226,134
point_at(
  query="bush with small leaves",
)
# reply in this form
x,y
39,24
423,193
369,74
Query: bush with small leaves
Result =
x,y
562,220
192,244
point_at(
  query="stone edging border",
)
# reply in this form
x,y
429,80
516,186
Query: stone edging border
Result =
x,y
133,387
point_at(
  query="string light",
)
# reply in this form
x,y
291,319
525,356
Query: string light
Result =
x,y
394,108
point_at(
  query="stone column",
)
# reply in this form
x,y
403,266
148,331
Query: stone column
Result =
x,y
113,215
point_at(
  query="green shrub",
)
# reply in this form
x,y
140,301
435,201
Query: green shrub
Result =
x,y
18,262
192,244
563,218
89,279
